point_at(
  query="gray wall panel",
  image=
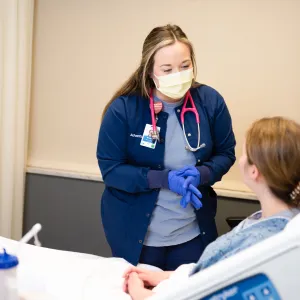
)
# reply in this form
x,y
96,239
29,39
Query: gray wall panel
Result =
x,y
233,208
69,211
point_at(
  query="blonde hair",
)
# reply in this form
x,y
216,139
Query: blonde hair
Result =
x,y
140,81
273,146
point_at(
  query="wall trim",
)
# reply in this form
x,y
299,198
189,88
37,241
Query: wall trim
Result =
x,y
220,190
64,173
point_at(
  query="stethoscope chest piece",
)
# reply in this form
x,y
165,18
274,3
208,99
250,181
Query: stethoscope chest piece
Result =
x,y
189,148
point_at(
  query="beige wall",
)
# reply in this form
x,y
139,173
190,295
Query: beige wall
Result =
x,y
249,50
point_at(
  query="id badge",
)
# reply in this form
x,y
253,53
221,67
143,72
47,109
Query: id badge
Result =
x,y
147,137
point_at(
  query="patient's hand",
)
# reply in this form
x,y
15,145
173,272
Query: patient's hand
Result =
x,y
136,288
149,278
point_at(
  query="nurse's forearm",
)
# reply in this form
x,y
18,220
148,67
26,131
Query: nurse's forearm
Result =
x,y
205,174
158,179
124,177
218,166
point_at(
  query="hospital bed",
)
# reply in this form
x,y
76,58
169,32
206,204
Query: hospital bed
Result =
x,y
268,270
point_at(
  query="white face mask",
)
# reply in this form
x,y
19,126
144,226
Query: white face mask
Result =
x,y
175,85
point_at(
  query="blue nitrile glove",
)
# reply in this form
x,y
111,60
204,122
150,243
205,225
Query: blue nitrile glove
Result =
x,y
195,201
185,200
193,173
192,180
176,183
191,197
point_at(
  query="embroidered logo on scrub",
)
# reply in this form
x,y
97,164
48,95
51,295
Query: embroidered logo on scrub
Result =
x,y
136,135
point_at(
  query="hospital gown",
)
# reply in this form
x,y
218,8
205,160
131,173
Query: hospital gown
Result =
x,y
249,232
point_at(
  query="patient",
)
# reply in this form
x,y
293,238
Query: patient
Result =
x,y
270,167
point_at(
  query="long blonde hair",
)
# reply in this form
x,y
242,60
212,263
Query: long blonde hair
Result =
x,y
140,81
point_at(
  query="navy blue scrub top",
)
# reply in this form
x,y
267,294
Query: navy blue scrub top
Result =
x,y
128,201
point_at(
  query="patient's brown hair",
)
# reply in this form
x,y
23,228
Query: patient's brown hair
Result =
x,y
273,146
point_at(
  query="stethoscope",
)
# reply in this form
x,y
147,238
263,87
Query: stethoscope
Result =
x,y
155,109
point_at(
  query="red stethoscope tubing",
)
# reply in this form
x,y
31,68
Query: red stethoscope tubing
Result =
x,y
184,110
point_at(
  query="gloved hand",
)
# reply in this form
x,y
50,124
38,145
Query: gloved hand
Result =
x,y
183,187
191,174
176,183
190,197
196,202
192,180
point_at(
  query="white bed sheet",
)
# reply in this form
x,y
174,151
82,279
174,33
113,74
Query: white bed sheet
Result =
x,y
62,275
49,274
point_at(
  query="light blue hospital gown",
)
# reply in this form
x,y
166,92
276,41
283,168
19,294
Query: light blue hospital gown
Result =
x,y
249,232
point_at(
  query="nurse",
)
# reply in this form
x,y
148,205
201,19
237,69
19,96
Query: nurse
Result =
x,y
158,206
